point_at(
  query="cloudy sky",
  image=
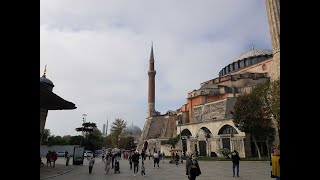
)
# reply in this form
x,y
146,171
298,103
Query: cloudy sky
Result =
x,y
97,52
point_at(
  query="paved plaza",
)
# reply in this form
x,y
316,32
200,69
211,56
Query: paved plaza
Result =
x,y
217,170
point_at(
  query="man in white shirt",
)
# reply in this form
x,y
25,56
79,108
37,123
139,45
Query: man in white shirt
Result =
x,y
155,159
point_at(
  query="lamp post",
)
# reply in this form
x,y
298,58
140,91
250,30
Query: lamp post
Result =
x,y
179,122
157,145
83,120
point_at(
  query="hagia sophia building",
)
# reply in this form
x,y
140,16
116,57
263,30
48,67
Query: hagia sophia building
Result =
x,y
205,120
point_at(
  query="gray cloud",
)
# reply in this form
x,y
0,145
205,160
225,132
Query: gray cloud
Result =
x,y
97,52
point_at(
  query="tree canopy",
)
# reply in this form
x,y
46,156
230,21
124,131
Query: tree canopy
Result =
x,y
251,115
116,129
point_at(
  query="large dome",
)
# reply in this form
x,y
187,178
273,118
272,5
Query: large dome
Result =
x,y
253,53
246,59
132,130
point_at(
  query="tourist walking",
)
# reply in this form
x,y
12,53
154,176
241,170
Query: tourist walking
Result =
x,y
91,162
143,170
41,163
135,160
68,159
235,162
177,159
54,157
275,163
113,156
48,156
103,157
155,159
108,160
143,156
130,159
192,168
163,155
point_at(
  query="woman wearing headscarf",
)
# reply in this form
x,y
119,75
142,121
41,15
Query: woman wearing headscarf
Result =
x,y
192,167
275,163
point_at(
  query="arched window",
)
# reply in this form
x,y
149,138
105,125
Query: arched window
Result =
x,y
227,129
264,67
235,64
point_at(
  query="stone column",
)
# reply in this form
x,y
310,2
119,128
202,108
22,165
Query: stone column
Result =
x,y
43,117
273,14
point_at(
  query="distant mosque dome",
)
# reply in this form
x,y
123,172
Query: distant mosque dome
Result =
x,y
246,59
132,130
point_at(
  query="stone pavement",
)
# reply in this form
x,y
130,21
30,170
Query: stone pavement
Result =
x,y
217,170
59,169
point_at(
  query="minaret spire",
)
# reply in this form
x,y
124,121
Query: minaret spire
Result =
x,y
151,85
45,71
151,54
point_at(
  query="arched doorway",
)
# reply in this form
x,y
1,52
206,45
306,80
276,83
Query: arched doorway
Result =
x,y
185,134
225,134
203,136
203,148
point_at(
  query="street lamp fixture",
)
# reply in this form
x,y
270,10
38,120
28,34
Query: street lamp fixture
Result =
x,y
83,120
179,122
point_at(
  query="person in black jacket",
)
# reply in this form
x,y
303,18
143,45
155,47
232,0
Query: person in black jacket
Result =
x,y
235,162
135,160
192,167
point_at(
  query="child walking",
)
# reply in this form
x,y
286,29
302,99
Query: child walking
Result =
x,y
143,170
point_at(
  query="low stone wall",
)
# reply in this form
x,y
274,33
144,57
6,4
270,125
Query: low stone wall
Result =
x,y
57,148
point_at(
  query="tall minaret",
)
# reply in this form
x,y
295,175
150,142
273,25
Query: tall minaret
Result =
x,y
151,86
273,14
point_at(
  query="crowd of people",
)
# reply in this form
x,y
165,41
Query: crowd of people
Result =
x,y
111,160
51,157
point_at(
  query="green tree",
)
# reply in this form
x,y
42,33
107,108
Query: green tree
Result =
x,y
251,115
173,141
116,129
45,136
108,141
75,140
267,135
55,140
269,94
273,101
94,140
87,127
125,142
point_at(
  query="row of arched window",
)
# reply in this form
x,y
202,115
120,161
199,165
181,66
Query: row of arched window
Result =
x,y
241,64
